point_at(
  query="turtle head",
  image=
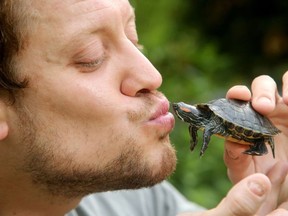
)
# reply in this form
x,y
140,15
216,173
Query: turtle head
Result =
x,y
189,114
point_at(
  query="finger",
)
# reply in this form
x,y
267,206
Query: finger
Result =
x,y
239,92
264,91
245,198
277,175
284,205
285,88
239,165
278,212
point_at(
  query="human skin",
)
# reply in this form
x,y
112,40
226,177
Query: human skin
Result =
x,y
91,118
269,172
265,99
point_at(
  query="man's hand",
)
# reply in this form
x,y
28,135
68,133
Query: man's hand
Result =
x,y
245,198
267,101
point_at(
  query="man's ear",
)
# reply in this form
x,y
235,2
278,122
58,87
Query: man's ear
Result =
x,y
3,121
3,130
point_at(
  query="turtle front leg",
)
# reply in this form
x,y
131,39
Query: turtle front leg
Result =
x,y
214,127
206,139
193,133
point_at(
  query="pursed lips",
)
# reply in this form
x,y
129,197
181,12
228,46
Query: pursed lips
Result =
x,y
162,109
162,117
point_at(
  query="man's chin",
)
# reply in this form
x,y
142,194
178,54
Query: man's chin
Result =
x,y
165,165
148,170
133,168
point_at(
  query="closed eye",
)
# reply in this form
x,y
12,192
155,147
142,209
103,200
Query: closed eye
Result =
x,y
92,65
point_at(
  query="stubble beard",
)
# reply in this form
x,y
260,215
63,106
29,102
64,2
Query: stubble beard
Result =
x,y
54,171
71,180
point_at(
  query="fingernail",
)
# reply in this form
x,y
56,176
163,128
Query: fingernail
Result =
x,y
256,188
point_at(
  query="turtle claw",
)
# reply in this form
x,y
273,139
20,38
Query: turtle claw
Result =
x,y
258,149
253,153
192,145
193,134
202,153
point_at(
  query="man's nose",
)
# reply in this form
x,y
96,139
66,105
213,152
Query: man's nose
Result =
x,y
140,75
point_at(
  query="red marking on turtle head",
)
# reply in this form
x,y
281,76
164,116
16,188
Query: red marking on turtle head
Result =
x,y
185,109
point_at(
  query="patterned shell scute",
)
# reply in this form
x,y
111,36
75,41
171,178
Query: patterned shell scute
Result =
x,y
241,113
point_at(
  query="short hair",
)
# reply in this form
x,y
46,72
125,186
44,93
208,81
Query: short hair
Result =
x,y
13,36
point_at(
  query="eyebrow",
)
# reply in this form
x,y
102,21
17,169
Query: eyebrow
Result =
x,y
129,13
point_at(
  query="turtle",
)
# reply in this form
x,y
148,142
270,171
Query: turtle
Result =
x,y
235,120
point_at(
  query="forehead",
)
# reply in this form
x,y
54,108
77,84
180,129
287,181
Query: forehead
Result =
x,y
62,21
80,4
69,9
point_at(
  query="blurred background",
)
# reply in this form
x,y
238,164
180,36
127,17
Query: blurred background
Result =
x,y
202,48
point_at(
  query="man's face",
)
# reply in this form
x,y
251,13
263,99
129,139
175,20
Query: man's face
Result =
x,y
91,118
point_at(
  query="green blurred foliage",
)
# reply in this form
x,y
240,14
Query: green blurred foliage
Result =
x,y
201,48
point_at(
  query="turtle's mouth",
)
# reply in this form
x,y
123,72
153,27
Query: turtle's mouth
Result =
x,y
187,113
176,110
181,110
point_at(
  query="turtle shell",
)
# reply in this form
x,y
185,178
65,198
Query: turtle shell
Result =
x,y
240,114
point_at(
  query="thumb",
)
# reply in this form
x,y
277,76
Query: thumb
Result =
x,y
245,198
